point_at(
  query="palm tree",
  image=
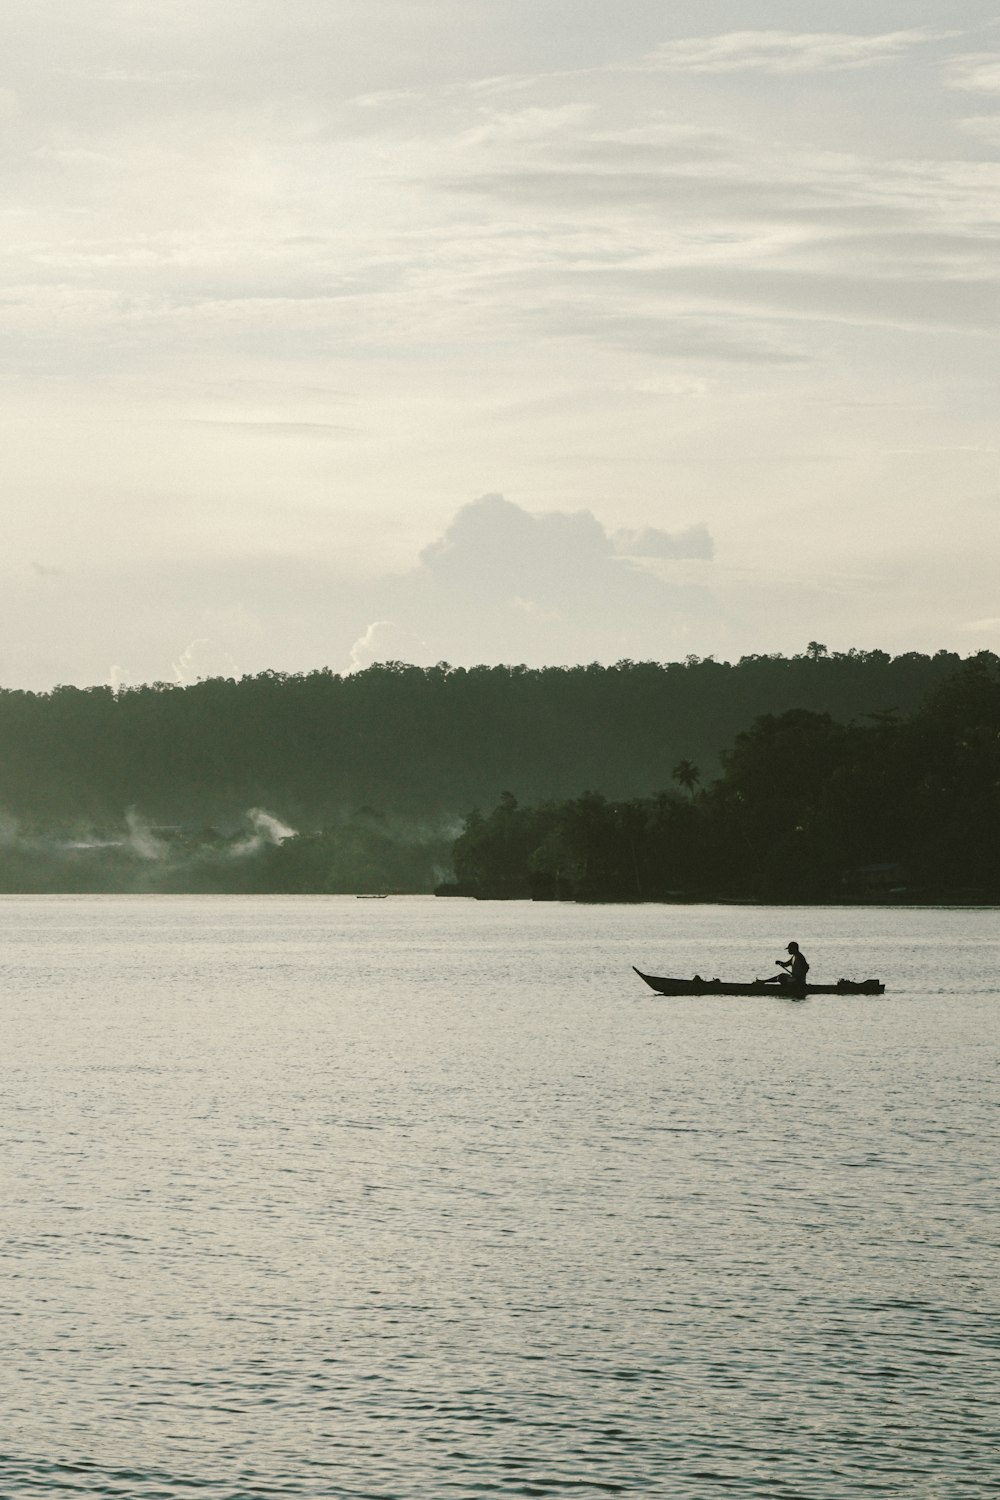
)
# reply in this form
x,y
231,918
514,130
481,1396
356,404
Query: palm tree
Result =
x,y
687,775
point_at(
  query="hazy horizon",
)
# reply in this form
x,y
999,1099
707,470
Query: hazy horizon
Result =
x,y
540,333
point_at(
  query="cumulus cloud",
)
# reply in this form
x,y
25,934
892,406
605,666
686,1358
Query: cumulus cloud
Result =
x,y
386,641
694,542
183,668
504,583
493,544
202,658
509,251
499,583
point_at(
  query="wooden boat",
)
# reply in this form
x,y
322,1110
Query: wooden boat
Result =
x,y
699,986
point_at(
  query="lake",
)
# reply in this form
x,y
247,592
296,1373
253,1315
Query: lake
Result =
x,y
321,1197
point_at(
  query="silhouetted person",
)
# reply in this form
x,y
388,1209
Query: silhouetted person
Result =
x,y
796,968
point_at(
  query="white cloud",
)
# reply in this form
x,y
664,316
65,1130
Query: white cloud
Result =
x,y
983,127
650,541
542,581
386,99
199,660
978,72
506,584
386,641
528,125
269,310
786,51
139,76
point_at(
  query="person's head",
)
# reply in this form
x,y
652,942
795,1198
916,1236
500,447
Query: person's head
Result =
x,y
792,948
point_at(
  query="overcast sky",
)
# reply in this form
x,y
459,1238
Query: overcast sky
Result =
x,y
534,330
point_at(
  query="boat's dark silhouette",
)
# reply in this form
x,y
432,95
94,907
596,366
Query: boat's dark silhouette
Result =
x,y
698,986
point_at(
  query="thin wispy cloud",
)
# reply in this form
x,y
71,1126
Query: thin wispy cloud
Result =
x,y
786,51
769,51
386,99
266,428
641,268
535,124
983,127
977,72
132,75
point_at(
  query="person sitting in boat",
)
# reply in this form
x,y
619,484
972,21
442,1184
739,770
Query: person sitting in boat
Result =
x,y
796,968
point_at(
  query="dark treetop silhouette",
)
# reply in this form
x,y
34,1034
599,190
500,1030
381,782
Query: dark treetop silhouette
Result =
x,y
841,771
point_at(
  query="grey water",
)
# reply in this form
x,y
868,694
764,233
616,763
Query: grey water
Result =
x,y
412,1198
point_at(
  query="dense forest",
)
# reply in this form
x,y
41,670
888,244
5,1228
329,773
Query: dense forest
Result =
x,y
806,810
360,782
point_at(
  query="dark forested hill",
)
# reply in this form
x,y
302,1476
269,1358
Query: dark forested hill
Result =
x,y
807,809
395,754
408,740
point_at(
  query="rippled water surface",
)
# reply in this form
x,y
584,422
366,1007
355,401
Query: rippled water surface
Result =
x,y
323,1197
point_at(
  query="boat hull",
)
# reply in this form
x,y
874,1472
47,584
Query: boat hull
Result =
x,y
667,986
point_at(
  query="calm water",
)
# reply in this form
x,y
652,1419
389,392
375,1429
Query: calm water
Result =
x,y
323,1197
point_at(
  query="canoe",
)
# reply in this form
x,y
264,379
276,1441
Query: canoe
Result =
x,y
699,986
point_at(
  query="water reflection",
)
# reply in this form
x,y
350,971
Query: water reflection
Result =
x,y
324,1198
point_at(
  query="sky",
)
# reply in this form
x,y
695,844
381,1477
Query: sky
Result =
x,y
495,330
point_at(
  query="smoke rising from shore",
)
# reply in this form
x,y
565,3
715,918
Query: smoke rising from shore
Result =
x,y
264,853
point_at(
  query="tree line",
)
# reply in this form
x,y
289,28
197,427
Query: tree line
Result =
x,y
413,742
806,809
317,782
